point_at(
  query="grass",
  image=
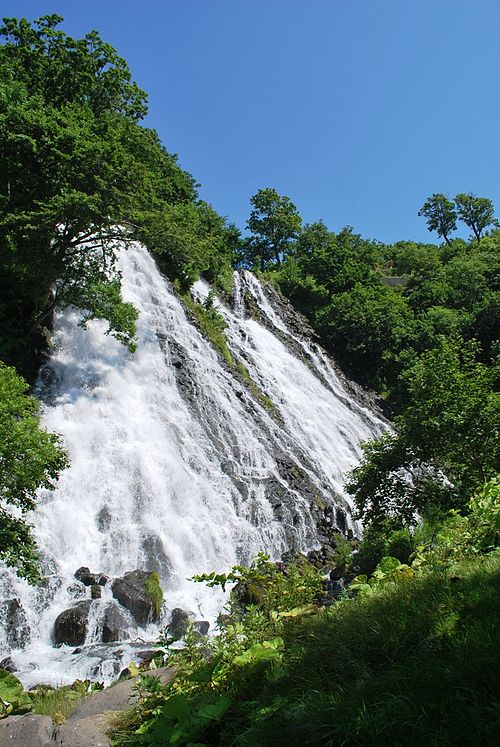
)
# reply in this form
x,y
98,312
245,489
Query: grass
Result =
x,y
211,325
415,664
154,591
59,704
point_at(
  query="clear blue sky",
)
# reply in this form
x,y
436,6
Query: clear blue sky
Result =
x,y
355,109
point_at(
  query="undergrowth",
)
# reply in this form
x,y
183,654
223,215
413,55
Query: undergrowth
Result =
x,y
408,656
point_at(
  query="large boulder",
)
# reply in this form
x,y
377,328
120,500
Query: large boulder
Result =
x,y
71,625
117,624
139,592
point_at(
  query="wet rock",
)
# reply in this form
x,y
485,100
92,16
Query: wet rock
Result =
x,y
130,592
15,624
178,623
117,624
95,591
71,625
155,557
8,664
87,578
103,519
201,626
77,591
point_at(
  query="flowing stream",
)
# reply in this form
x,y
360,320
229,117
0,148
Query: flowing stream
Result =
x,y
179,463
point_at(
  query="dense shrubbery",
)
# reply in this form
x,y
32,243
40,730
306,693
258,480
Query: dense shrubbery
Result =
x,y
411,659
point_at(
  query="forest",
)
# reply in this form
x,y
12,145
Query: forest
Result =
x,y
412,636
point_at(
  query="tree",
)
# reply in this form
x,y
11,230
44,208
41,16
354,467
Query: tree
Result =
x,y
30,458
78,177
275,223
446,443
441,215
476,212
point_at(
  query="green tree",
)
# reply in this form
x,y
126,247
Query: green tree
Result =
x,y
275,224
476,212
441,215
446,442
78,178
30,458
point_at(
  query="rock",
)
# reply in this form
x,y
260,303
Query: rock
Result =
x,y
77,591
26,731
87,578
13,618
154,556
201,626
130,592
71,625
95,591
116,624
104,519
8,664
178,624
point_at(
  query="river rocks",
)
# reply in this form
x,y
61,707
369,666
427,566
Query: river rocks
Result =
x,y
178,624
117,625
129,590
13,618
201,626
8,664
87,578
71,625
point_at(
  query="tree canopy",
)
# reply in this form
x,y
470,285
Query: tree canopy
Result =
x,y
274,222
78,178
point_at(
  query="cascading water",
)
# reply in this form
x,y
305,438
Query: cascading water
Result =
x,y
177,464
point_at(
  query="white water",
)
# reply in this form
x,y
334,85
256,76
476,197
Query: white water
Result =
x,y
174,463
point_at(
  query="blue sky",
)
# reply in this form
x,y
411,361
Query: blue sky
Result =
x,y
356,109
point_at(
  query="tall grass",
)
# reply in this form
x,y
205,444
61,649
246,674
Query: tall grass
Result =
x,y
418,663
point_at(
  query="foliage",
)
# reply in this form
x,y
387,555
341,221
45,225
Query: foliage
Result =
x,y
274,223
30,458
154,591
383,538
13,699
420,640
441,215
79,178
476,212
446,443
210,671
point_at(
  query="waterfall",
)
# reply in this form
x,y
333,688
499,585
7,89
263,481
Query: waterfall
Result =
x,y
179,462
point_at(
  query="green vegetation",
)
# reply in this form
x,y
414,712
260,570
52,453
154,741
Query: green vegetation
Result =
x,y
211,325
56,702
30,458
78,175
407,656
154,591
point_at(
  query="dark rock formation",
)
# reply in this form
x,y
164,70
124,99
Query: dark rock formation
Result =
x,y
8,664
201,626
116,624
130,592
15,623
87,578
71,625
178,623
